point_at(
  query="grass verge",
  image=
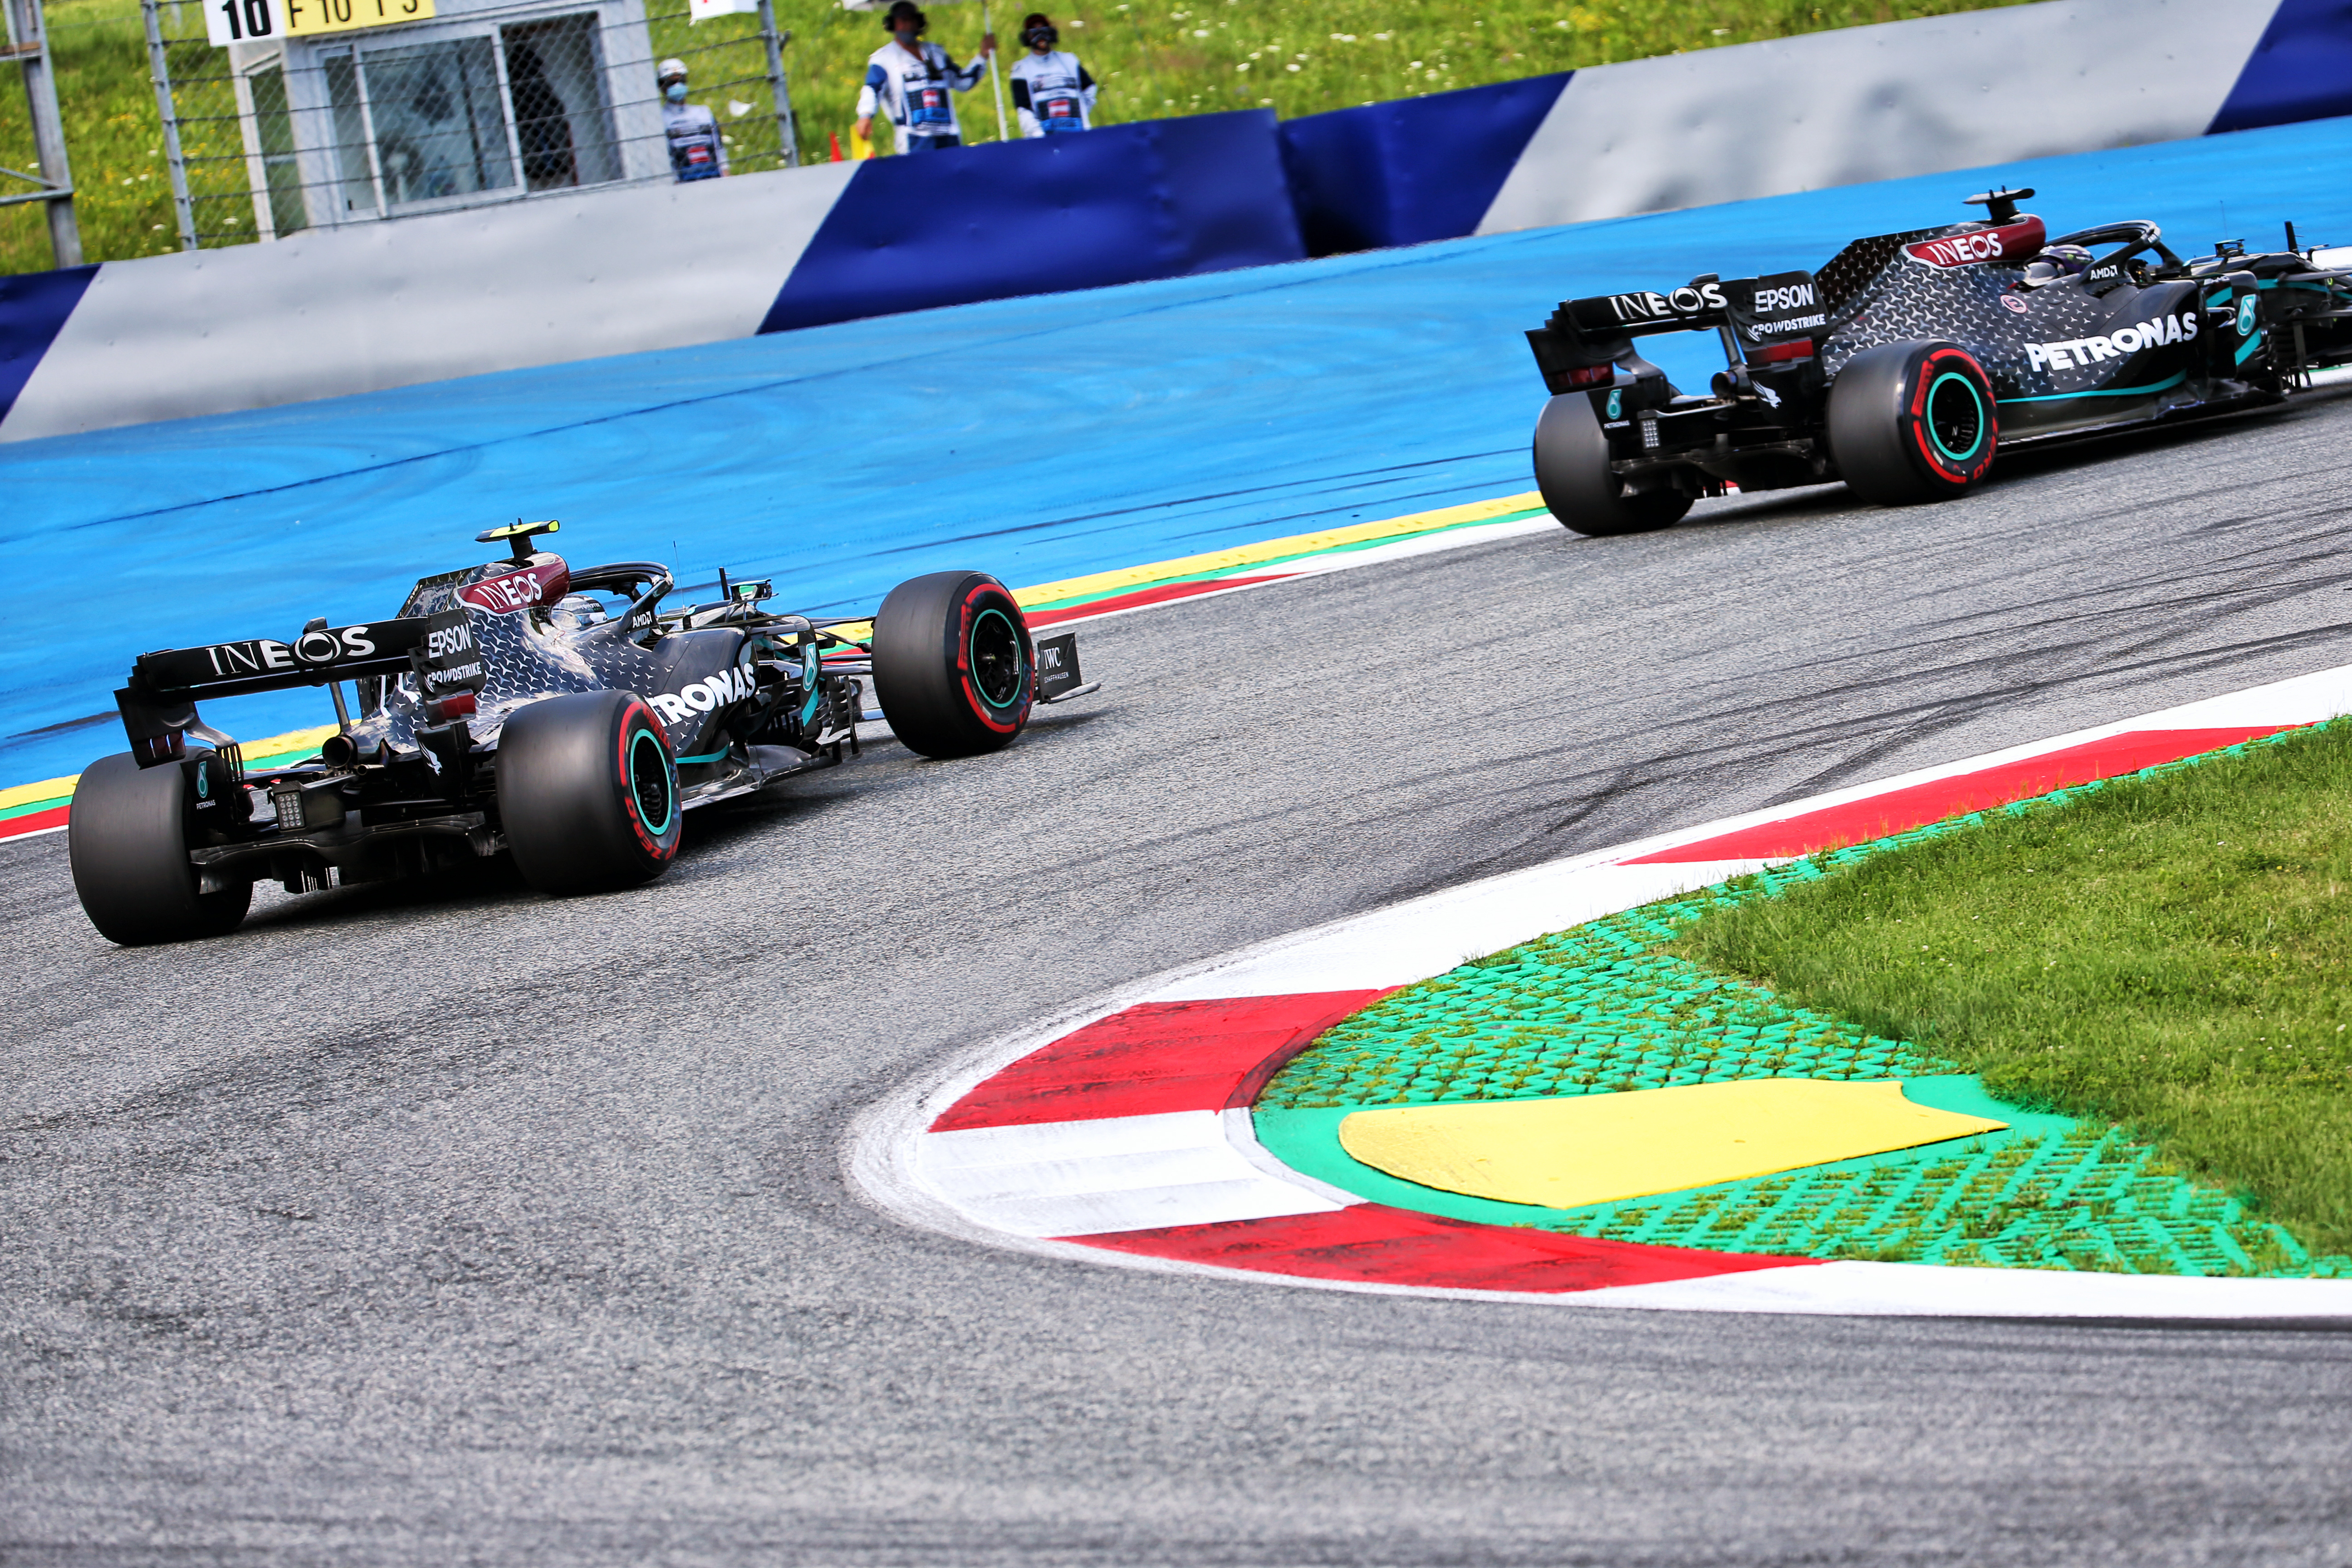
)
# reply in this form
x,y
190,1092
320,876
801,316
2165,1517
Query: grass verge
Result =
x,y
2169,953
1157,60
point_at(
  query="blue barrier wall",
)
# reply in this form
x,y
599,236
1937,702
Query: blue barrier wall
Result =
x,y
1162,198
2301,69
1411,171
33,306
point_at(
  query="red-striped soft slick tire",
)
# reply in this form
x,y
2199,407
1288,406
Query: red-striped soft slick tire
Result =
x,y
1912,422
127,842
954,666
588,793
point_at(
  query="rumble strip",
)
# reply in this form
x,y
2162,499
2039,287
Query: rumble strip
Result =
x,y
1120,1132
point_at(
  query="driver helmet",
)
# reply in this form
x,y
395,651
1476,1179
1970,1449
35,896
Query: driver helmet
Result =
x,y
576,613
2055,262
1037,29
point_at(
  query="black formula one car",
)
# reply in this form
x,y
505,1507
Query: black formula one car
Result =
x,y
565,717
1902,365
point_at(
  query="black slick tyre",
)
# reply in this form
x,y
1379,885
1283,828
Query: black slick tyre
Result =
x,y
1912,422
954,667
588,793
127,842
1571,459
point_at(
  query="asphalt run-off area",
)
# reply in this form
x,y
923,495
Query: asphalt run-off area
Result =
x,y
443,1222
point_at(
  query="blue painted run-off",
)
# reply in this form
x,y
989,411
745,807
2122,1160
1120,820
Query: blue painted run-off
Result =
x,y
1036,438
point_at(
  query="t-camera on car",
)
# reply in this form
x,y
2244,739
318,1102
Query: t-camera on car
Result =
x,y
1905,362
564,717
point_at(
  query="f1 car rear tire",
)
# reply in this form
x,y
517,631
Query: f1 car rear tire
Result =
x,y
588,793
954,666
1912,422
1572,472
127,842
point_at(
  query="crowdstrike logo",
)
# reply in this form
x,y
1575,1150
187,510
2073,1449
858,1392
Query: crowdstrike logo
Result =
x,y
2079,354
1763,330
731,685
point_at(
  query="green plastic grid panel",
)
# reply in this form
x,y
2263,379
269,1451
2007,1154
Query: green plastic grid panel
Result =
x,y
1599,1009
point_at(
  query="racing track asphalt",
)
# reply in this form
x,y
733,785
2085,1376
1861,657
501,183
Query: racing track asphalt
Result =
x,y
447,1224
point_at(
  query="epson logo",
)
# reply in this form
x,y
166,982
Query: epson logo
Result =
x,y
447,642
1794,297
1690,299
731,685
2078,353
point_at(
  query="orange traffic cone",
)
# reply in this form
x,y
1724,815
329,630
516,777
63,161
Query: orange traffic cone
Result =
x,y
834,137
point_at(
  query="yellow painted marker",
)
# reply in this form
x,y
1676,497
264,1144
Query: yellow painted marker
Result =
x,y
1597,1148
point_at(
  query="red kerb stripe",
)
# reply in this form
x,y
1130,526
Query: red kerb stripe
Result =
x,y
1160,595
1858,822
1152,1058
32,822
1373,1243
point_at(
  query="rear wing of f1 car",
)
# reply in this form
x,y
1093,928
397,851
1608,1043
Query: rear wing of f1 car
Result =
x,y
159,702
1588,343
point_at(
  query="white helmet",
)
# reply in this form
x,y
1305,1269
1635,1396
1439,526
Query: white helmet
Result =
x,y
671,69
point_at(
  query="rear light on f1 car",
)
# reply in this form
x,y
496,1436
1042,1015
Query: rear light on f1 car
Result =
x,y
1781,354
456,705
1589,375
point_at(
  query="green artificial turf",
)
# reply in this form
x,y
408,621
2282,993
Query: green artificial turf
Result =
x,y
1153,60
2169,953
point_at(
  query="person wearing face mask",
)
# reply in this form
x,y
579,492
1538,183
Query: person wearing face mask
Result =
x,y
1051,91
696,150
909,81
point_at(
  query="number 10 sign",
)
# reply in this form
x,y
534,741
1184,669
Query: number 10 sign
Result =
x,y
249,21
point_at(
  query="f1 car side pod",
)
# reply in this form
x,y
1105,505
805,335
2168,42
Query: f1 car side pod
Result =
x,y
566,717
1902,365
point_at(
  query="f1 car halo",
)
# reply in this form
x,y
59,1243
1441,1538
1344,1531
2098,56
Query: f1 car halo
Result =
x,y
1901,365
564,717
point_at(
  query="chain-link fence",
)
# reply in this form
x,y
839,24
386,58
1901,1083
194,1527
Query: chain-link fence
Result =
x,y
340,112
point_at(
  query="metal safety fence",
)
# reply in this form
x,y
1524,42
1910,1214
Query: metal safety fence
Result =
x,y
285,115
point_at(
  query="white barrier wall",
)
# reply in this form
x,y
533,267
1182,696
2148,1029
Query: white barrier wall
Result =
x,y
363,307
1878,104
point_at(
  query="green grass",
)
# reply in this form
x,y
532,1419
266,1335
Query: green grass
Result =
x,y
1186,57
2170,953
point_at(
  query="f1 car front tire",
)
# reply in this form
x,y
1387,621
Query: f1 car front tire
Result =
x,y
954,664
1571,459
1912,422
127,841
588,793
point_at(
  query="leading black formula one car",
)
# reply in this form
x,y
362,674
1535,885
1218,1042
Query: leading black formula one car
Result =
x,y
568,717
1901,365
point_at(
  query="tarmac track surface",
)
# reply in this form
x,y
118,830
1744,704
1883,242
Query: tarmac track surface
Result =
x,y
448,1225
